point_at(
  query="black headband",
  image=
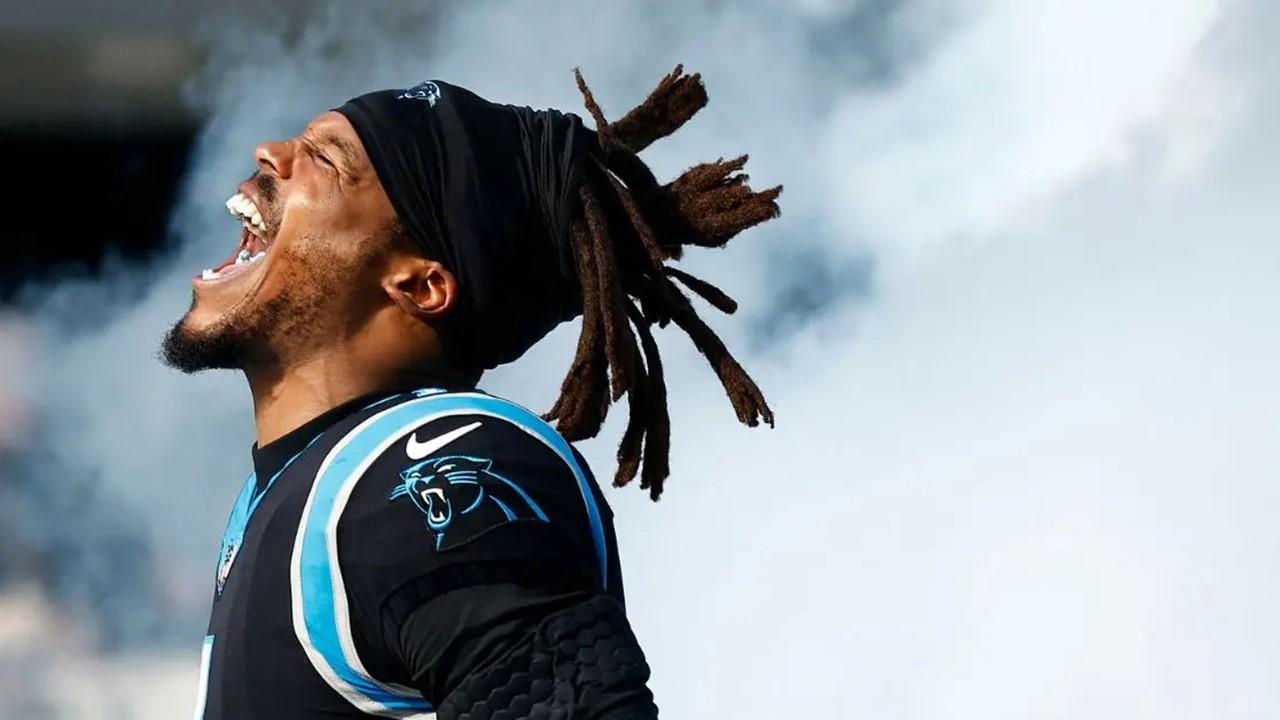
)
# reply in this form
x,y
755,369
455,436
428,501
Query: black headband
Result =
x,y
489,190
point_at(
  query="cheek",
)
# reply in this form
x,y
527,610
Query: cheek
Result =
x,y
328,239
330,222
326,269
304,215
309,201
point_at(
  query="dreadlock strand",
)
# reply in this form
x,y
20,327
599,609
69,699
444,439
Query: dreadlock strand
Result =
x,y
630,447
656,252
712,294
617,336
719,204
639,273
658,285
747,400
703,176
636,174
604,132
586,337
580,410
734,209
676,99
657,441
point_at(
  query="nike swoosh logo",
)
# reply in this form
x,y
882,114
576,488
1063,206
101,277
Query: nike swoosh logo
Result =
x,y
418,450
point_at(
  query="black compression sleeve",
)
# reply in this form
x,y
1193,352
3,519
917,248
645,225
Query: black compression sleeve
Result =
x,y
544,656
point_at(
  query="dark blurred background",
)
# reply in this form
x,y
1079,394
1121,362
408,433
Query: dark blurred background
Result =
x,y
94,138
92,111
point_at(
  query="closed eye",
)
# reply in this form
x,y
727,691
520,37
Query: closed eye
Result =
x,y
318,154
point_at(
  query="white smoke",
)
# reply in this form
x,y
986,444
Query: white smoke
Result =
x,y
15,362
1025,450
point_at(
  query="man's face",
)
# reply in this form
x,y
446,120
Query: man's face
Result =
x,y
314,226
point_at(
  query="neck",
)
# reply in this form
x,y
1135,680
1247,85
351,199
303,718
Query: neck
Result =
x,y
285,399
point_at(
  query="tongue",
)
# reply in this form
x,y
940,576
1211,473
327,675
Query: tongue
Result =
x,y
255,244
248,241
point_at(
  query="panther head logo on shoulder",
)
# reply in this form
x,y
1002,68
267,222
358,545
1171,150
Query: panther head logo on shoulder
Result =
x,y
461,497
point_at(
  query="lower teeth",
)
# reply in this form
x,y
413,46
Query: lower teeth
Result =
x,y
241,258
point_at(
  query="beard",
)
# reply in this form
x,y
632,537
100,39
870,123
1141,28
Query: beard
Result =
x,y
233,343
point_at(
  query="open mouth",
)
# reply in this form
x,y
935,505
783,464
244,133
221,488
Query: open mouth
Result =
x,y
253,245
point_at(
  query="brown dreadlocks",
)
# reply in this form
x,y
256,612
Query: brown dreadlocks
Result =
x,y
628,228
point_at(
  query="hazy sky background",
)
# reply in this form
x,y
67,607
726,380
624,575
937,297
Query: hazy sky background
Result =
x,y
1017,322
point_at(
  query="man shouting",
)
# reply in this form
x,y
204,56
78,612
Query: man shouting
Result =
x,y
407,545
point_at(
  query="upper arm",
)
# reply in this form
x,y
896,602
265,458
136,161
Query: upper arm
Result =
x,y
434,495
464,487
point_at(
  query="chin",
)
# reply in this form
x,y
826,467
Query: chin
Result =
x,y
207,340
250,331
200,321
191,351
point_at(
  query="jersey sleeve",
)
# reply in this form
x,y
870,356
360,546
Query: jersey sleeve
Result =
x,y
435,496
526,652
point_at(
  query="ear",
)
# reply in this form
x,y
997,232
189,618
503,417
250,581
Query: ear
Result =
x,y
423,288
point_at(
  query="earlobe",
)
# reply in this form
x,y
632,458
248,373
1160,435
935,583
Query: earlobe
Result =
x,y
423,288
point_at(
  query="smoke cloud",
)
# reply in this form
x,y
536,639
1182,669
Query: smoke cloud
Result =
x,y
1017,323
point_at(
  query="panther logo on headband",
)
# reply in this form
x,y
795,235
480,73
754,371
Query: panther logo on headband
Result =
x,y
428,91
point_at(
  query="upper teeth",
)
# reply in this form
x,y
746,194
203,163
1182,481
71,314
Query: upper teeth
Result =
x,y
242,207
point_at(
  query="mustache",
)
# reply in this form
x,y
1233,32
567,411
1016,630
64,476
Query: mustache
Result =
x,y
267,188
268,192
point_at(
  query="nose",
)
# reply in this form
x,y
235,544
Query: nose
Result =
x,y
275,158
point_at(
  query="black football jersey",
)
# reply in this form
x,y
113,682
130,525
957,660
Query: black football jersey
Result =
x,y
369,561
